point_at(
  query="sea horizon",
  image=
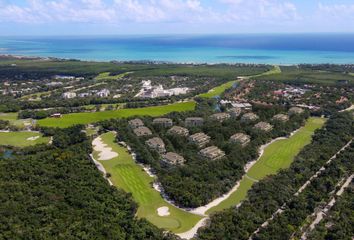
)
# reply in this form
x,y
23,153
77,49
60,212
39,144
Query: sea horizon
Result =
x,y
252,48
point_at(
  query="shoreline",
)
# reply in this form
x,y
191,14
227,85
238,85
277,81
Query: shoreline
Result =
x,y
159,62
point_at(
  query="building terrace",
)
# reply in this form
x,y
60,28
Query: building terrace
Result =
x,y
194,122
136,123
180,131
281,117
142,131
220,117
157,144
165,122
240,138
212,153
249,117
263,126
295,111
172,158
200,139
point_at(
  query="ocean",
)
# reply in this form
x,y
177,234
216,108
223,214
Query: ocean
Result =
x,y
246,48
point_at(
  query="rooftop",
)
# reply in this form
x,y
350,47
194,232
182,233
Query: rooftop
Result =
x,y
173,158
212,153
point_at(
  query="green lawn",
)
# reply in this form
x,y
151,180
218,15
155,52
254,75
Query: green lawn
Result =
x,y
12,118
105,76
217,90
20,139
85,118
278,155
129,176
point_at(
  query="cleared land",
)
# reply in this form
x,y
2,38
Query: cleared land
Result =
x,y
129,176
278,155
21,139
85,118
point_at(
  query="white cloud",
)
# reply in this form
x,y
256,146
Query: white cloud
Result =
x,y
260,10
339,11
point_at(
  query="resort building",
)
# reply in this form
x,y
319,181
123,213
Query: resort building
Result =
x,y
240,138
295,111
156,144
212,153
249,117
56,115
194,122
281,118
172,158
103,93
136,123
220,117
235,112
180,131
69,95
263,126
165,122
200,139
142,131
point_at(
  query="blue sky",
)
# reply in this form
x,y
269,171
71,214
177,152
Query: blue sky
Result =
x,y
94,17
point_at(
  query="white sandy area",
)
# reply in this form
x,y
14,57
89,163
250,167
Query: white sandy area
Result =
x,y
163,211
32,138
203,209
104,152
101,169
191,233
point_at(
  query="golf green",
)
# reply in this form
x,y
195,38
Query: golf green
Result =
x,y
128,175
85,118
278,155
21,139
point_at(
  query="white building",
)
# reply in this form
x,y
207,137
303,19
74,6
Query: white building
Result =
x,y
68,95
103,93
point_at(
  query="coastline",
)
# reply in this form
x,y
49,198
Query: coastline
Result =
x,y
159,62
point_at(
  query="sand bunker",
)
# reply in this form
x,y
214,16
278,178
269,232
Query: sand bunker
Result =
x,y
32,138
104,152
163,211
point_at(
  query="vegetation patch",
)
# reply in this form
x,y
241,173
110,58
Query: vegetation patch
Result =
x,y
106,76
126,174
278,155
217,91
22,139
85,118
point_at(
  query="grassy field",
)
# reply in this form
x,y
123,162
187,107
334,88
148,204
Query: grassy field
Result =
x,y
300,75
20,139
12,118
105,76
278,155
276,70
85,118
217,91
129,176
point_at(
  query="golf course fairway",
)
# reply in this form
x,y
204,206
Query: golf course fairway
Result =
x,y
22,139
278,155
131,177
68,120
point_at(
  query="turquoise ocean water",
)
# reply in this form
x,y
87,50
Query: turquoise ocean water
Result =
x,y
252,48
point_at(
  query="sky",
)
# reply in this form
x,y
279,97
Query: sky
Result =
x,y
118,17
